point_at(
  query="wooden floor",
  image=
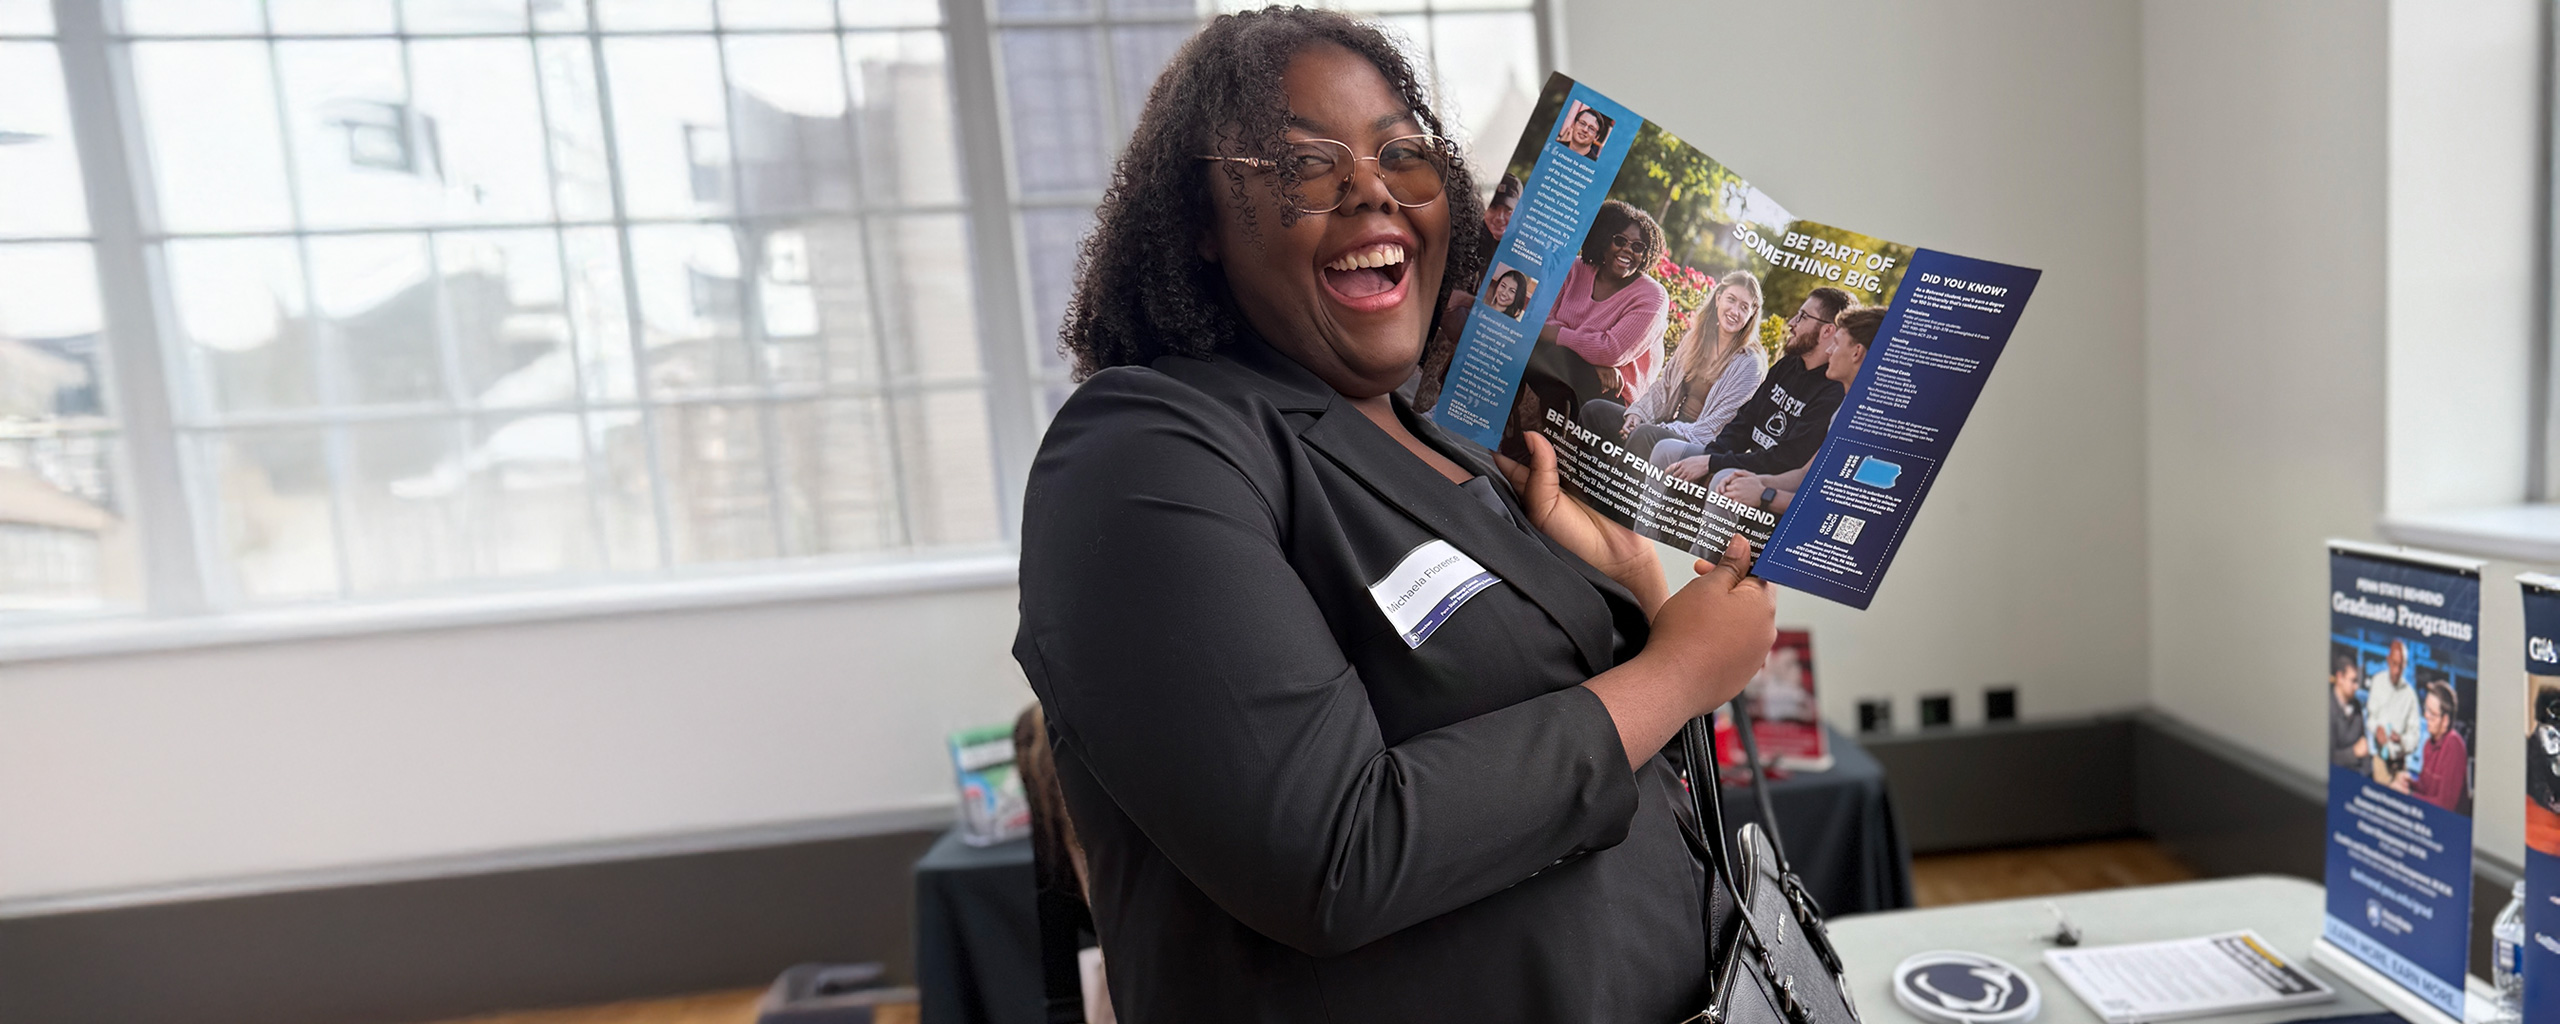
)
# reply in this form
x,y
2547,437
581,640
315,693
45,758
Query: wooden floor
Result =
x,y
735,1006
1954,878
1940,881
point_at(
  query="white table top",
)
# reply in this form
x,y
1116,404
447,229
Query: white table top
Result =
x,y
2285,911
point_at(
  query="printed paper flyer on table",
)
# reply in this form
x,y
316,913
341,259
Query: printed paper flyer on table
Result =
x,y
2233,972
1705,362
2403,695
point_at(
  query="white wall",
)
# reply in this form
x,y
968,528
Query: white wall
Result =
x,y
2464,199
2316,171
2264,156
340,760
2004,129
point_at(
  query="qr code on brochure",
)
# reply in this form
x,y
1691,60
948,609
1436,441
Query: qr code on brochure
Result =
x,y
1846,529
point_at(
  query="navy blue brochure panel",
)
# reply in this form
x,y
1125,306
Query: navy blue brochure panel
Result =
x,y
1912,395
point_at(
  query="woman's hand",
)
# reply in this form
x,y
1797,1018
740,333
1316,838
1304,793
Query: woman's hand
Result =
x,y
1599,540
1720,626
1630,424
1707,641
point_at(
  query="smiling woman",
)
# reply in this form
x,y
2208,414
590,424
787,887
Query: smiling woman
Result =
x,y
1149,282
1356,721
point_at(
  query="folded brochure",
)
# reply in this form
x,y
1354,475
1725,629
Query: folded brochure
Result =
x,y
2155,981
1670,329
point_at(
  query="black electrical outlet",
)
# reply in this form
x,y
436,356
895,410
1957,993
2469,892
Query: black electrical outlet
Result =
x,y
2000,704
1937,710
1875,716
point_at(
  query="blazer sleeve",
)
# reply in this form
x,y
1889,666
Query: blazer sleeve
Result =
x,y
1186,664
1613,341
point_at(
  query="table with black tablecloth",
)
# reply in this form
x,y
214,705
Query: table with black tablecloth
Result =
x,y
978,934
1839,829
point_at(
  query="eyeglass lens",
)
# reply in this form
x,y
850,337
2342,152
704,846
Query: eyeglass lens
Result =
x,y
1411,167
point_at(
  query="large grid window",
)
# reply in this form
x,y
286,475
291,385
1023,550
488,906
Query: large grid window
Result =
x,y
308,300
66,527
462,290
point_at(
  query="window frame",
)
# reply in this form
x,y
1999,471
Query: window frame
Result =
x,y
176,537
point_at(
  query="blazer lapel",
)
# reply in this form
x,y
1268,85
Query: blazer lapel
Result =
x,y
1347,436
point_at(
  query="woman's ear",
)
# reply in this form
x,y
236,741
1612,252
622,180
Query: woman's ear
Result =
x,y
1207,246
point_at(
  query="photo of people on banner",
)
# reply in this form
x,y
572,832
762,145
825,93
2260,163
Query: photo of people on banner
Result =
x,y
2401,718
2542,765
1692,359
2540,951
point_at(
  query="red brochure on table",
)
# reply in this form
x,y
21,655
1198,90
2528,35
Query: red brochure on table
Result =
x,y
1785,716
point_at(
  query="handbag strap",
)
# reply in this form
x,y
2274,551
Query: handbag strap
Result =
x,y
1698,747
1759,780
1790,884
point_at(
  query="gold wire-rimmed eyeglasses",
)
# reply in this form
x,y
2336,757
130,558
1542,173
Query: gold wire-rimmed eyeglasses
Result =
x,y
1414,167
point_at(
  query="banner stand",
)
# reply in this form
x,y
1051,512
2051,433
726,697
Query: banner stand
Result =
x,y
2480,997
2403,695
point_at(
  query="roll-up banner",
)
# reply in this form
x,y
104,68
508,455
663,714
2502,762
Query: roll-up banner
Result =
x,y
2541,797
2404,683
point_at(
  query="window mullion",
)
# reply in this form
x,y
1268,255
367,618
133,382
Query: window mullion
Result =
x,y
996,253
2542,443
1550,19
660,502
751,327
876,301
336,446
105,127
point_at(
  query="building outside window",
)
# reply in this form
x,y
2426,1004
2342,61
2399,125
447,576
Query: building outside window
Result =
x,y
397,298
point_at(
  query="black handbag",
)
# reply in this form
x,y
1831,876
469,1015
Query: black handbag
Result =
x,y
1769,958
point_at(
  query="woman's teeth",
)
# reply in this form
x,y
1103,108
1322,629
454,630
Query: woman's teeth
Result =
x,y
1369,279
1385,255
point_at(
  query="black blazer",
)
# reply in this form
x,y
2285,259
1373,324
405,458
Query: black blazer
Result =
x,y
1290,814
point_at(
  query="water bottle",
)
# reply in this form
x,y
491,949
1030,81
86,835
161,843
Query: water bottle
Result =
x,y
2508,939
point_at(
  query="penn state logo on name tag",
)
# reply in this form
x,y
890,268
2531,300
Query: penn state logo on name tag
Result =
x,y
1426,587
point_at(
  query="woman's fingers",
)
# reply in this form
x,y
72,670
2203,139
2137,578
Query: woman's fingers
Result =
x,y
1512,471
1542,456
1544,486
1736,562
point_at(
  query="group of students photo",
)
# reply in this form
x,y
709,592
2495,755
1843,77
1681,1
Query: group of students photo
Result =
x,y
2399,724
1720,409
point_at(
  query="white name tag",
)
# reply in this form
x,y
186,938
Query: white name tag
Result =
x,y
1427,587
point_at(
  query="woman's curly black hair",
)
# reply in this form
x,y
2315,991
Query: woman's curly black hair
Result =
x,y
1614,217
1142,288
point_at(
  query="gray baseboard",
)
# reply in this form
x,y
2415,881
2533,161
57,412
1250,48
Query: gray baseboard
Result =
x,y
447,947
2010,785
2223,809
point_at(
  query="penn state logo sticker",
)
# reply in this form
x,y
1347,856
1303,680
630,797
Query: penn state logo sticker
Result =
x,y
1965,988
